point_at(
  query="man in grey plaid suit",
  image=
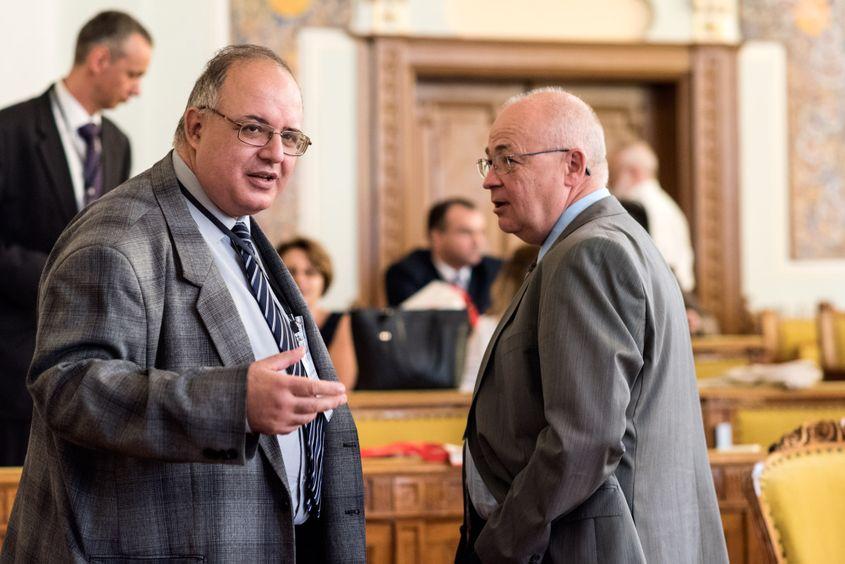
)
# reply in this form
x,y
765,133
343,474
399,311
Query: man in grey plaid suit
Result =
x,y
157,435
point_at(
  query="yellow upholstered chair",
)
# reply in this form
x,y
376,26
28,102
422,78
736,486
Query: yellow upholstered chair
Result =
x,y
831,328
789,338
800,489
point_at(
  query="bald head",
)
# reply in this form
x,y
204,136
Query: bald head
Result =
x,y
546,150
562,119
633,164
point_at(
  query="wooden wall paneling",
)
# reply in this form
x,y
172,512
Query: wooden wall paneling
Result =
x,y
715,183
368,286
451,126
380,548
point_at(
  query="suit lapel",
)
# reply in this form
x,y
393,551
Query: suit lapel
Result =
x,y
506,317
214,303
53,158
604,207
110,156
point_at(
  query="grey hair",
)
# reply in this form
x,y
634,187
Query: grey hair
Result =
x,y
572,122
206,91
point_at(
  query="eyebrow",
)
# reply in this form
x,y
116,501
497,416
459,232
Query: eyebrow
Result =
x,y
259,119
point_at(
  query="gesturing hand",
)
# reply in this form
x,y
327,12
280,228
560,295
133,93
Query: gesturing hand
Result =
x,y
278,403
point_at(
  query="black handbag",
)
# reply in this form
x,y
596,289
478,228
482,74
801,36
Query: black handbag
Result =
x,y
408,349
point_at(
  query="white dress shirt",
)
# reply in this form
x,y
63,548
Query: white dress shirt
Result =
x,y
260,337
69,116
668,228
457,276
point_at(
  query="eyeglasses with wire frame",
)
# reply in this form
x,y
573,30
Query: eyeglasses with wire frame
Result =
x,y
504,164
294,142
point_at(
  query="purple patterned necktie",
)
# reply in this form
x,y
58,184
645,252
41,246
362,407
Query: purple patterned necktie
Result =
x,y
92,168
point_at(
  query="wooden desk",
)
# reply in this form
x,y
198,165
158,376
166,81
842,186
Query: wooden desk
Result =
x,y
414,509
743,407
9,479
751,346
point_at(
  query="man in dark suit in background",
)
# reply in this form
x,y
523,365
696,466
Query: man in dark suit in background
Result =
x,y
57,154
458,241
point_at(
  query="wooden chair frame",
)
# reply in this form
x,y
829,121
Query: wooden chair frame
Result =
x,y
810,438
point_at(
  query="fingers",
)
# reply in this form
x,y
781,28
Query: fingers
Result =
x,y
284,359
307,387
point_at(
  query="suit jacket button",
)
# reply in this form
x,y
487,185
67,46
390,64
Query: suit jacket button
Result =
x,y
210,453
231,454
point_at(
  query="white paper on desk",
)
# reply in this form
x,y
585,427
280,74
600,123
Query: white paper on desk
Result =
x,y
797,374
435,295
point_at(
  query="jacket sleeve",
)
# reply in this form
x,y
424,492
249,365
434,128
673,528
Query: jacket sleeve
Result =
x,y
399,284
20,267
91,383
590,331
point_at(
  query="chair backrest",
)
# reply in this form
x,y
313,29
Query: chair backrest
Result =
x,y
800,489
831,327
789,338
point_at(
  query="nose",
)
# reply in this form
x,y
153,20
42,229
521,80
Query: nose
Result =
x,y
491,180
135,89
274,151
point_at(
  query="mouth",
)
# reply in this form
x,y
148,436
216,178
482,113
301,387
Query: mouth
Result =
x,y
499,205
263,178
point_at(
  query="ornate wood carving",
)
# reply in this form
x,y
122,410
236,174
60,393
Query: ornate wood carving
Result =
x,y
812,434
715,184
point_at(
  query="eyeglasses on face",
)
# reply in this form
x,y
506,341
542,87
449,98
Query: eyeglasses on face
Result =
x,y
504,164
294,142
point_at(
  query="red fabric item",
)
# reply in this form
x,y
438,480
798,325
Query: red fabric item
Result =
x,y
430,452
472,311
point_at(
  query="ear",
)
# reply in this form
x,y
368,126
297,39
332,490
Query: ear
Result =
x,y
193,124
99,58
576,168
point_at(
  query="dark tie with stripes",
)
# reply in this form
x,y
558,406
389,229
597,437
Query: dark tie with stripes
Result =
x,y
92,168
282,330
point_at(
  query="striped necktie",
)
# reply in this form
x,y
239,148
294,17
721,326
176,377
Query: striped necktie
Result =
x,y
285,336
92,168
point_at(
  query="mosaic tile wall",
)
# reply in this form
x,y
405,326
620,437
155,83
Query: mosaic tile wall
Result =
x,y
813,32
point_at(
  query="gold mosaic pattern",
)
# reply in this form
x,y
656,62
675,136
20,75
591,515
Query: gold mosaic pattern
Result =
x,y
813,32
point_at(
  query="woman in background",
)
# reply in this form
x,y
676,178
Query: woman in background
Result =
x,y
502,291
311,268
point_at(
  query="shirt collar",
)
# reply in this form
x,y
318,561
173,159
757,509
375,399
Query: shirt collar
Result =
x,y
189,180
450,274
75,115
568,215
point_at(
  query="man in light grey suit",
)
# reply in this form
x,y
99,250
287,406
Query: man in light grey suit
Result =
x,y
157,435
584,441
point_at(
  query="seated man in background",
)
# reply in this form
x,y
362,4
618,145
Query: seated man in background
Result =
x,y
634,173
456,233
311,268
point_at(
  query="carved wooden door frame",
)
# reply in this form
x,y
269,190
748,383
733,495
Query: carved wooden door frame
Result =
x,y
705,79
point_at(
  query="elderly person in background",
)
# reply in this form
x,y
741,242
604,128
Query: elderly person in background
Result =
x,y
311,268
584,441
634,171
